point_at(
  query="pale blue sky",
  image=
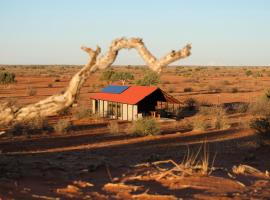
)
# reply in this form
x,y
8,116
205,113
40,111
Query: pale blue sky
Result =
x,y
224,32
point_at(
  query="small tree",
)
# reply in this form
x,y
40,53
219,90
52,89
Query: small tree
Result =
x,y
122,76
150,78
107,76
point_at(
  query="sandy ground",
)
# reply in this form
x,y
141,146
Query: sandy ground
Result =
x,y
91,163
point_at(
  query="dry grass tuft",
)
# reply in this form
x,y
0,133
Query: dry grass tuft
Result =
x,y
199,123
62,126
194,163
113,127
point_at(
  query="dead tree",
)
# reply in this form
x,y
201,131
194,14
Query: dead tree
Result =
x,y
53,104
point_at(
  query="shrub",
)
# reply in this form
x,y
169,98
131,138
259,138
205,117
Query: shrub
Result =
x,y
218,114
150,78
35,126
220,119
237,108
262,128
188,89
122,76
7,78
261,106
113,127
261,125
191,103
107,75
62,126
257,74
146,126
248,73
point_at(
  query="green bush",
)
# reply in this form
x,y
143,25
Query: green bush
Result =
x,y
150,78
248,73
107,75
7,78
122,76
146,126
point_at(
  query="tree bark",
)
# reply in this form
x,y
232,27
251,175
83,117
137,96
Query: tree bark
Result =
x,y
53,104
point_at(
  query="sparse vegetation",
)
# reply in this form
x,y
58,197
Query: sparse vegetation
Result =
x,y
122,76
33,127
220,120
261,121
107,76
218,117
259,107
150,78
7,78
146,126
200,123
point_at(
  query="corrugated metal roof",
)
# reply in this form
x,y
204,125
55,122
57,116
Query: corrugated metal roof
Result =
x,y
115,89
132,95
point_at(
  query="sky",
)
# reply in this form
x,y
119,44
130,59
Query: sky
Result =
x,y
223,32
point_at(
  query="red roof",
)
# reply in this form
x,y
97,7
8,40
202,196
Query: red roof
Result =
x,y
132,95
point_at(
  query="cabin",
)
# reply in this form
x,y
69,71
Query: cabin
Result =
x,y
132,102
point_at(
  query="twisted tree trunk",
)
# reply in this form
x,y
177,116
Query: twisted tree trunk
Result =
x,y
53,104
